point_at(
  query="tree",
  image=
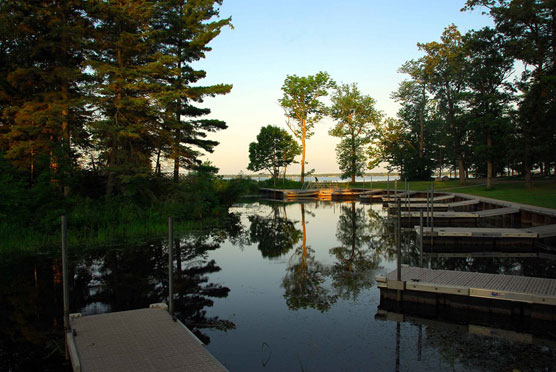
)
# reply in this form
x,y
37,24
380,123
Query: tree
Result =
x,y
303,107
529,31
355,115
443,63
122,58
184,30
412,95
42,102
486,72
274,149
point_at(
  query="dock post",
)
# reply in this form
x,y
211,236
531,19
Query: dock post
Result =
x,y
408,204
65,274
421,236
399,249
388,186
170,265
432,214
427,222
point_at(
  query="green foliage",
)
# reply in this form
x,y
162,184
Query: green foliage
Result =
x,y
274,149
527,30
355,115
183,30
303,106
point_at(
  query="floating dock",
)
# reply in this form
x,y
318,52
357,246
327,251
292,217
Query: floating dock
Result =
x,y
136,340
490,235
494,293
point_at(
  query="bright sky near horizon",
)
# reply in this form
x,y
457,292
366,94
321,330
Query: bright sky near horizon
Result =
x,y
361,41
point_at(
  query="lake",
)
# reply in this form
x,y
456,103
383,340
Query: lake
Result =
x,y
276,287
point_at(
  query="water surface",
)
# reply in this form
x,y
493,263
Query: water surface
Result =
x,y
278,287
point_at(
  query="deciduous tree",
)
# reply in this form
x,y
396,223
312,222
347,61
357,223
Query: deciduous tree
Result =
x,y
274,149
356,117
303,107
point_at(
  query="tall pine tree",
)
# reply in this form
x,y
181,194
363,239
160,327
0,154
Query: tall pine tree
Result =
x,y
185,28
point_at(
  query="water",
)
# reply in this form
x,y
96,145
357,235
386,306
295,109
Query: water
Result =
x,y
279,287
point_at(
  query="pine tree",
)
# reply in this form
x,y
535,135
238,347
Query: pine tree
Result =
x,y
123,59
185,28
41,82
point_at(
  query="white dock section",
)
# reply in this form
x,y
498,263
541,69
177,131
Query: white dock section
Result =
x,y
478,232
137,340
472,284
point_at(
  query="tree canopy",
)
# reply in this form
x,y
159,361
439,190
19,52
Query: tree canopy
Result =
x,y
274,149
303,106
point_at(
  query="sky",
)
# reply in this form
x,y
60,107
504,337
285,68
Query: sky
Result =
x,y
355,41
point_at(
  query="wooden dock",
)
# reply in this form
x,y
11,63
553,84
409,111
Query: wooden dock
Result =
x,y
136,340
439,206
418,284
537,232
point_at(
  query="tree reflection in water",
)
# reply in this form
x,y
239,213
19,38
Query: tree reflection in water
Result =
x,y
193,292
275,235
134,277
304,283
353,271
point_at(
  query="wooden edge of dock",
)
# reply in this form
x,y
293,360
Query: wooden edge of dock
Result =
x,y
72,351
493,293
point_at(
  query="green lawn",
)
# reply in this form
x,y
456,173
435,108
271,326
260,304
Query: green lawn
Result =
x,y
542,194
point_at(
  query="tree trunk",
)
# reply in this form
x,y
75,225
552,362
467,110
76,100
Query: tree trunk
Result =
x,y
461,169
157,169
489,161
303,156
352,159
111,174
177,168
527,164
422,128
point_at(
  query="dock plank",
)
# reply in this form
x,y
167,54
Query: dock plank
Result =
x,y
544,231
463,203
497,211
495,286
478,232
139,340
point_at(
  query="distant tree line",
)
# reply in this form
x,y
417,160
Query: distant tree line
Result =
x,y
105,86
480,103
354,113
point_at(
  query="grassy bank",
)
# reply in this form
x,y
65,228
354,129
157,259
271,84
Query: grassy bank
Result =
x,y
30,218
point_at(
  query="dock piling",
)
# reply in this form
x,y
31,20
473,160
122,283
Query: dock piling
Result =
x,y
170,265
421,237
432,213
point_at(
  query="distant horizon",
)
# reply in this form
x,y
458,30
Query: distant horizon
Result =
x,y
355,41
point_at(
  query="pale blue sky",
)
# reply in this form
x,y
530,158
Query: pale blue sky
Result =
x,y
362,41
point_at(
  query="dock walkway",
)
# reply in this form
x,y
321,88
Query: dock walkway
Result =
x,y
493,286
136,340
487,232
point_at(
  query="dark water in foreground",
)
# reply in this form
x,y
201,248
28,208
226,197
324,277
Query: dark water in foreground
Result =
x,y
279,287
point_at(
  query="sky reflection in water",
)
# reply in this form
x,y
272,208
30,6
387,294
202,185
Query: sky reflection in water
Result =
x,y
278,287
313,306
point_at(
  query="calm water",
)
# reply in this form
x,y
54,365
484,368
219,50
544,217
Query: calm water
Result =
x,y
279,287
